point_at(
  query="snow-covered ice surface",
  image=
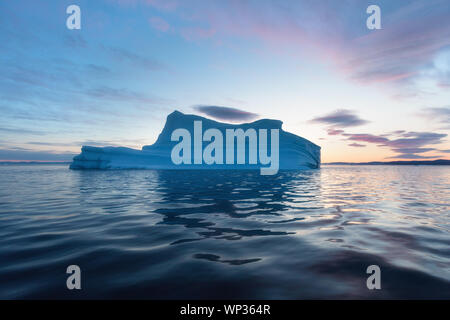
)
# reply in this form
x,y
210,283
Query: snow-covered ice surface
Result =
x,y
294,152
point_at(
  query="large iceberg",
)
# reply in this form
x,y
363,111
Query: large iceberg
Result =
x,y
293,152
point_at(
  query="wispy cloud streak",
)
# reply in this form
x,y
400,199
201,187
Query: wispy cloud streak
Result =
x,y
341,119
226,113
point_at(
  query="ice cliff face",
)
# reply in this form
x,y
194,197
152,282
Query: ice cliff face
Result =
x,y
294,152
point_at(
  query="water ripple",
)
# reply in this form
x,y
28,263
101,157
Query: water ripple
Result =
x,y
225,234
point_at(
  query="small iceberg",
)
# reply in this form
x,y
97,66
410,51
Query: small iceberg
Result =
x,y
194,142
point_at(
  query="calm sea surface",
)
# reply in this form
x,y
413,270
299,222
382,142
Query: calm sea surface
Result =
x,y
225,234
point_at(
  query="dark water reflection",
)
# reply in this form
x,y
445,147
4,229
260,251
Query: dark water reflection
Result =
x,y
225,234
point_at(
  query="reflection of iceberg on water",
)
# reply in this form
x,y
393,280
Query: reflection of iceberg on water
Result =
x,y
206,144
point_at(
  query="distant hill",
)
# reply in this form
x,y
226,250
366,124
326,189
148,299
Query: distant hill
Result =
x,y
440,162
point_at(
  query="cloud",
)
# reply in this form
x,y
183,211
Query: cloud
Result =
x,y
226,113
53,144
29,74
357,145
123,55
416,140
30,155
71,93
75,41
122,94
336,32
400,52
95,69
410,140
411,156
159,24
76,143
21,131
334,132
332,31
393,133
167,5
413,150
407,146
340,119
444,85
197,33
364,137
439,115
97,143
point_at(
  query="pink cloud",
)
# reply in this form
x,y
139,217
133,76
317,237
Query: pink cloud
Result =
x,y
408,146
364,137
325,30
357,145
334,132
393,55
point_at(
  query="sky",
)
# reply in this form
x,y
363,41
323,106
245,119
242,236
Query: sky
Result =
x,y
361,94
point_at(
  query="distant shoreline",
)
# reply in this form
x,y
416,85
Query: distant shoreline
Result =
x,y
440,162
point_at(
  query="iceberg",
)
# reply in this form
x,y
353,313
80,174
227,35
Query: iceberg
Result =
x,y
194,142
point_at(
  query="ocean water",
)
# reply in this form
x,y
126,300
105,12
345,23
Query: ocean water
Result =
x,y
225,234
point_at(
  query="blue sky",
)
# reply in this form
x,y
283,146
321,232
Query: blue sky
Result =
x,y
361,94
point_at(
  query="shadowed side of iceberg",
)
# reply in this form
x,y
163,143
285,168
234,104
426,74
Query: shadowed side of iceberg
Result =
x,y
294,152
